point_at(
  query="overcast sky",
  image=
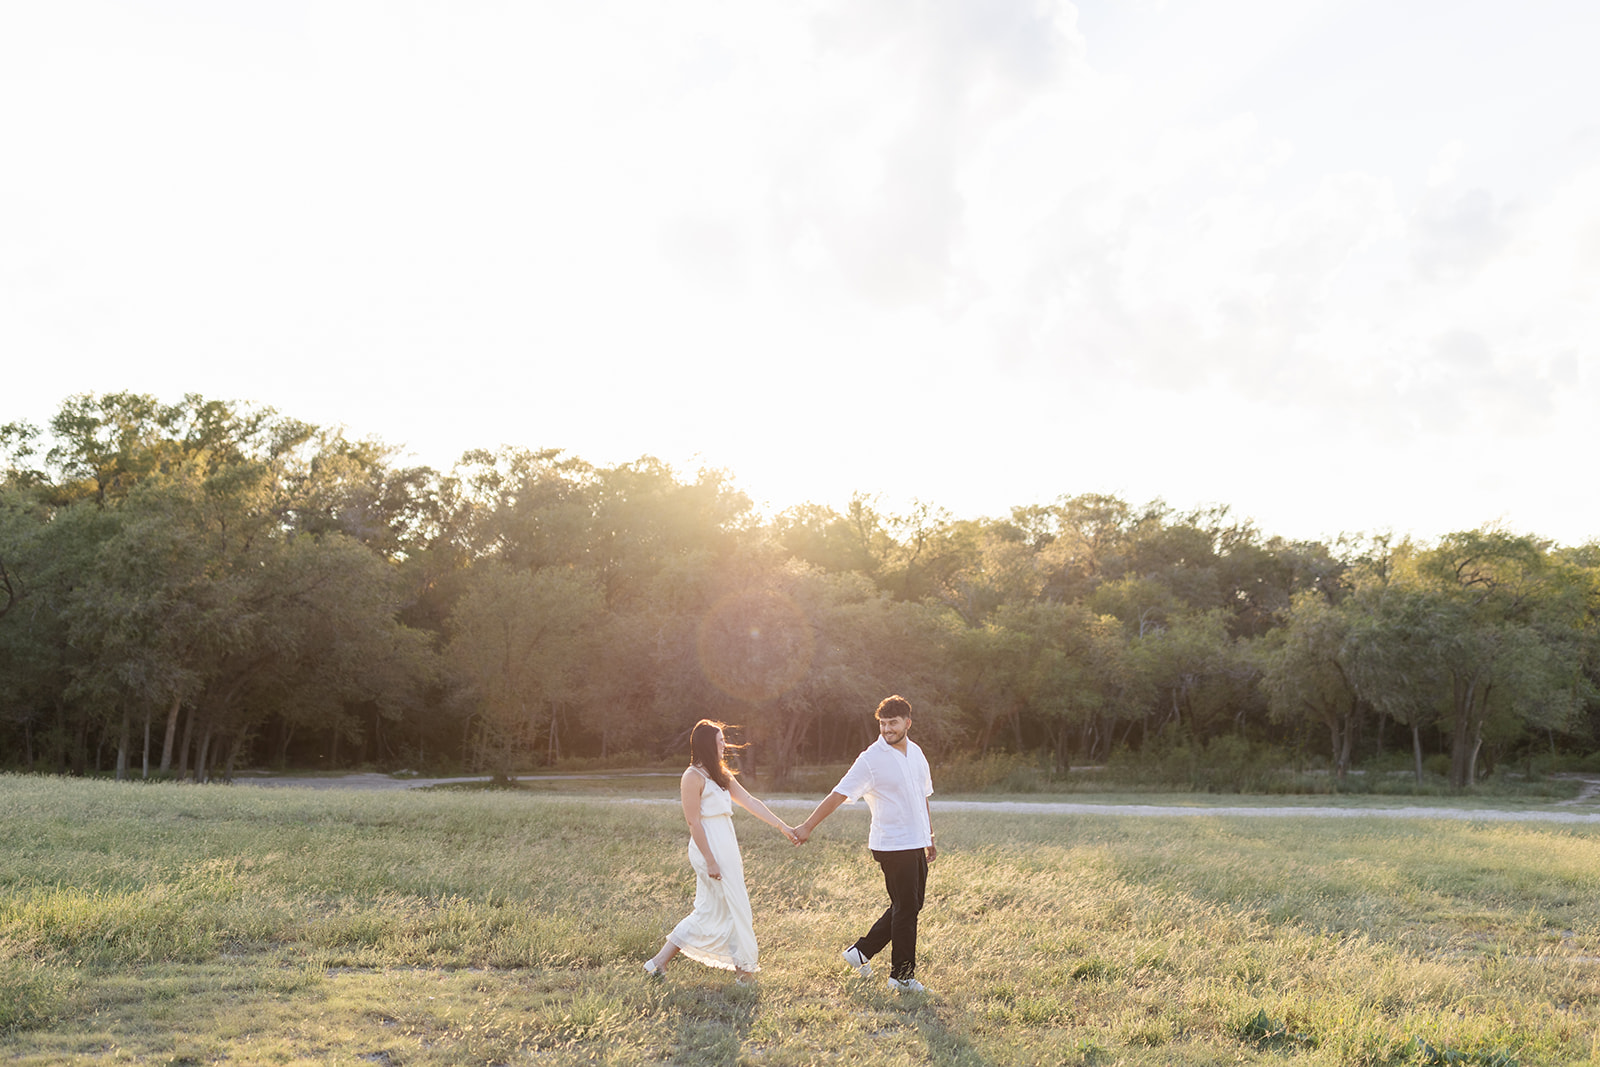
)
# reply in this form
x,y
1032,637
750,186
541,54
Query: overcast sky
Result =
x,y
1335,265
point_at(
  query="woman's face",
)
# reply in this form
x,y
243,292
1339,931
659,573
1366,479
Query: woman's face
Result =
x,y
722,745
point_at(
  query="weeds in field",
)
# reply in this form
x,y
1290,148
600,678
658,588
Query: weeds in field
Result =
x,y
176,923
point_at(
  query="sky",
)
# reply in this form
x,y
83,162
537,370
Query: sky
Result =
x,y
1335,266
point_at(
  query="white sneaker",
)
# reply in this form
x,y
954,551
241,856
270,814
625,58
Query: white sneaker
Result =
x,y
854,958
908,985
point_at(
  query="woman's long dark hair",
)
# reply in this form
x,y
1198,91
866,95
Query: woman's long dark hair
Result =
x,y
703,751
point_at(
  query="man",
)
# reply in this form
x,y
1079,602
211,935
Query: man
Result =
x,y
893,776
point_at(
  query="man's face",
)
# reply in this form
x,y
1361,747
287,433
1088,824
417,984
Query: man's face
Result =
x,y
893,729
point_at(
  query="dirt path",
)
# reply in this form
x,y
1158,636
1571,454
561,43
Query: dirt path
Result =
x,y
389,782
1011,807
1586,794
1181,810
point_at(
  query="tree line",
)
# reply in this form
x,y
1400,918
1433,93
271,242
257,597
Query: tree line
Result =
x,y
193,587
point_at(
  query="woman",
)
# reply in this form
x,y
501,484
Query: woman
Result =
x,y
719,932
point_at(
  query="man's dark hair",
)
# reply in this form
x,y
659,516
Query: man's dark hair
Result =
x,y
895,707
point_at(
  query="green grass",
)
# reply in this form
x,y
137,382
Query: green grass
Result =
x,y
181,924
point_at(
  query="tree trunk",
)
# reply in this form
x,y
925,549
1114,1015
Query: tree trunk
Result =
x,y
1344,751
233,756
172,731
58,740
200,757
124,739
183,749
1461,738
80,749
1460,752
1472,762
1340,746
286,734
1416,749
792,742
1480,713
1125,735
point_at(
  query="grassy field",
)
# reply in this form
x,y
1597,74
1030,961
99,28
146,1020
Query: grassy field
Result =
x,y
183,924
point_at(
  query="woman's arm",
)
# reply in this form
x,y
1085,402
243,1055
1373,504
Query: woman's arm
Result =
x,y
689,789
742,797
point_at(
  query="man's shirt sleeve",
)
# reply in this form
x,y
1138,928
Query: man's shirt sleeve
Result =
x,y
857,781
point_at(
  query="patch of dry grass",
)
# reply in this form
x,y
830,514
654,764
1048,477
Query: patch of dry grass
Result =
x,y
182,924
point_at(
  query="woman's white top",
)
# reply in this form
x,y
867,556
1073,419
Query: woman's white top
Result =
x,y
714,800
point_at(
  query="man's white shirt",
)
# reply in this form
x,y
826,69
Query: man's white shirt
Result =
x,y
896,786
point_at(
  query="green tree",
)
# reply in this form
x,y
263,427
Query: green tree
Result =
x,y
515,639
47,550
1189,663
1512,649
1481,633
855,541
1305,672
1072,674
1393,641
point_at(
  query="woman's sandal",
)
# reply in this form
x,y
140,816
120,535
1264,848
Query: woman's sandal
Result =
x,y
654,969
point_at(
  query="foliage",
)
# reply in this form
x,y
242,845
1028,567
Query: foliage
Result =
x,y
188,588
1225,764
997,772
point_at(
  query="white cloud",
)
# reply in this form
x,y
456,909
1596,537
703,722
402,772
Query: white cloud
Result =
x,y
1219,253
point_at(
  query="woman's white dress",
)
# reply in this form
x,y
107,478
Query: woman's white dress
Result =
x,y
719,932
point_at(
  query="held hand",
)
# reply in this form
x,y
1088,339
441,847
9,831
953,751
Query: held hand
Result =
x,y
801,833
788,831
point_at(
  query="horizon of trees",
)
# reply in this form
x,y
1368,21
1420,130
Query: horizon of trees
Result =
x,y
193,587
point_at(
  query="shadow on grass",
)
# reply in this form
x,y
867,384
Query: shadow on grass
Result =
x,y
715,1024
946,1048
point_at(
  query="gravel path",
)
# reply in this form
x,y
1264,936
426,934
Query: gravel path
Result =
x,y
1008,807
1466,815
385,781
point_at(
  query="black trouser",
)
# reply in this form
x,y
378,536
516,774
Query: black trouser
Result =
x,y
905,875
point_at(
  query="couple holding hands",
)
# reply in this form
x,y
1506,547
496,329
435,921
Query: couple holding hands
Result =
x,y
892,775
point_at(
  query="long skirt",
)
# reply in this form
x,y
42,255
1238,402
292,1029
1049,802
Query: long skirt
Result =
x,y
719,932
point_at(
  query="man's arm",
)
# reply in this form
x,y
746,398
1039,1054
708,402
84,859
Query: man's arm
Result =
x,y
829,804
933,851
